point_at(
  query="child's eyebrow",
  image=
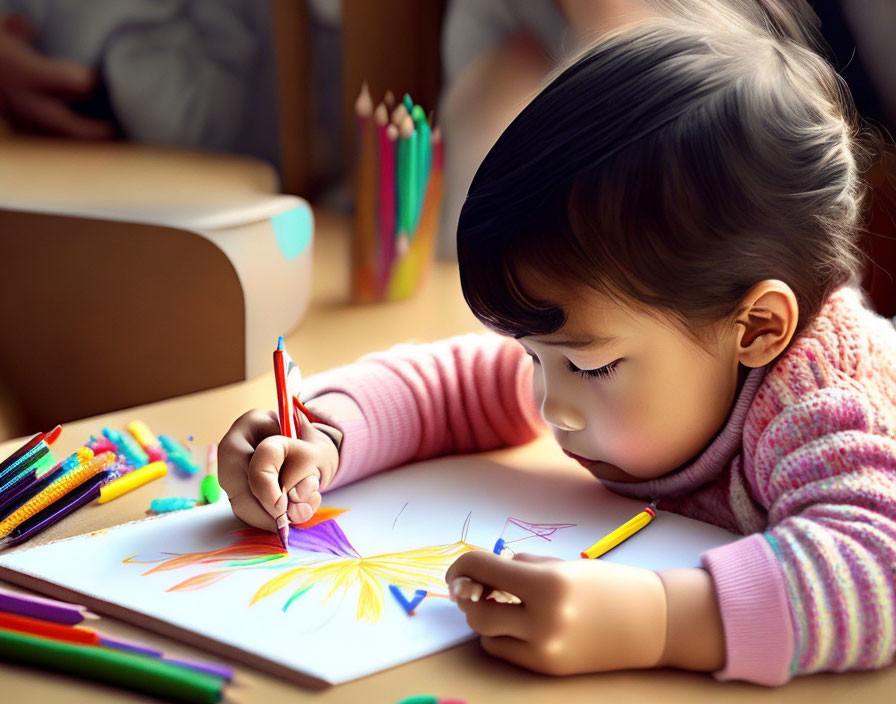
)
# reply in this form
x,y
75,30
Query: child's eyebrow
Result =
x,y
580,342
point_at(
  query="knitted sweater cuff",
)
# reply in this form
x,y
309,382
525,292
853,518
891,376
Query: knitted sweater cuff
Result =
x,y
755,610
366,444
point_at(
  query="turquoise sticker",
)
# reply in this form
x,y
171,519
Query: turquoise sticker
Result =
x,y
293,230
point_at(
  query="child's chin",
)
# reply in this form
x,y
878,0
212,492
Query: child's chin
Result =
x,y
610,472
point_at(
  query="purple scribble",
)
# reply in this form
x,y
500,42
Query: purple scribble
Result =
x,y
325,537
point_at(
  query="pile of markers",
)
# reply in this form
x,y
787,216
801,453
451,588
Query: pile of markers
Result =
x,y
398,192
41,632
37,492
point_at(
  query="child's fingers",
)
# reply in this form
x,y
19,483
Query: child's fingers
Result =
x,y
490,618
304,499
247,509
300,473
236,448
301,492
301,512
514,576
464,588
264,474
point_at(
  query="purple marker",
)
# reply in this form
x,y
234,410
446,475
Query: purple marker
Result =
x,y
39,607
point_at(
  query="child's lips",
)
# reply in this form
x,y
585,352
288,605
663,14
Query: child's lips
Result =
x,y
584,461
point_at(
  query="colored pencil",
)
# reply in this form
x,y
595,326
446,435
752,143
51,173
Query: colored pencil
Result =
x,y
71,502
42,607
87,636
409,270
385,195
623,532
55,491
21,487
136,672
364,240
48,438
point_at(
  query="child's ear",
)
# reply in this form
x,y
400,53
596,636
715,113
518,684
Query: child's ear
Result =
x,y
765,320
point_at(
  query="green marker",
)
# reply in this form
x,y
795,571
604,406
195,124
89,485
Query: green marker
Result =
x,y
209,489
131,671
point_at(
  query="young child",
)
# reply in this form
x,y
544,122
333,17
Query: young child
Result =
x,y
665,239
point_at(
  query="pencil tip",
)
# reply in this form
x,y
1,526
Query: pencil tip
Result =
x,y
280,343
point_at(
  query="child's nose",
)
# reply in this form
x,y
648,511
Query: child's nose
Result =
x,y
562,415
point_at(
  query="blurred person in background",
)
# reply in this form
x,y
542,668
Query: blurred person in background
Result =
x,y
496,54
186,73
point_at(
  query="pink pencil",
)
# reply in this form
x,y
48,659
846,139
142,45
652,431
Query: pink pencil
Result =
x,y
386,189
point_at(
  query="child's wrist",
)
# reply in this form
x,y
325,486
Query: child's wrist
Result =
x,y
695,635
335,434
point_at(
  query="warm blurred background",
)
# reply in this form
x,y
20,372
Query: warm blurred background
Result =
x,y
151,153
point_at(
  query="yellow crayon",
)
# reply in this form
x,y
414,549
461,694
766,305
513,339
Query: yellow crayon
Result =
x,y
623,532
132,480
142,434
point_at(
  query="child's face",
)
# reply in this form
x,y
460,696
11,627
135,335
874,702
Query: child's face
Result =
x,y
654,399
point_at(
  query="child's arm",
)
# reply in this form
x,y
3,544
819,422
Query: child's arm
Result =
x,y
815,591
470,393
466,394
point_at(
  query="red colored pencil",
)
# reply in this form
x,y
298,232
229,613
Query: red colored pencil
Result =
x,y
386,194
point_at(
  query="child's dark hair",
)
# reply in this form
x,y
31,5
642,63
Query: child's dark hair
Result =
x,y
671,167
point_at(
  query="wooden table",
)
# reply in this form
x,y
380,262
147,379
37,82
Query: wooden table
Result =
x,y
335,333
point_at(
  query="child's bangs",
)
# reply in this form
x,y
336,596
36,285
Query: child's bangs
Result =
x,y
491,279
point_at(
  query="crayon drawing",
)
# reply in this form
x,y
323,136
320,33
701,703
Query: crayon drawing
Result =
x,y
360,589
341,569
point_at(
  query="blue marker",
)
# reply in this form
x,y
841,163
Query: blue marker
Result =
x,y
499,546
133,453
172,503
178,455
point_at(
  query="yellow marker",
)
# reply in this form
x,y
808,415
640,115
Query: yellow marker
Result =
x,y
142,434
623,532
56,490
132,480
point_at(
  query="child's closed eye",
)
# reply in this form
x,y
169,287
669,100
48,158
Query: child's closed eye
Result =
x,y
605,371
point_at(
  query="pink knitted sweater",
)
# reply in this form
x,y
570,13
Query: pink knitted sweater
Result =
x,y
805,468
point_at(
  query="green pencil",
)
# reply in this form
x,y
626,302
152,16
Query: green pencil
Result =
x,y
421,127
136,672
405,186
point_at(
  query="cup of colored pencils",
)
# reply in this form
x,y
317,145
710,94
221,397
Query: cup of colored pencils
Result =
x,y
398,192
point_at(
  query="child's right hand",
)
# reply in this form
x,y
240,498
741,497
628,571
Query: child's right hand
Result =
x,y
265,473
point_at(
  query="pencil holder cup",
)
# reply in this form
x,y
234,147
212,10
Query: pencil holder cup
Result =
x,y
398,193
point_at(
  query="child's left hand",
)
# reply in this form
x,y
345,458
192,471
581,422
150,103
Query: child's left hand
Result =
x,y
577,616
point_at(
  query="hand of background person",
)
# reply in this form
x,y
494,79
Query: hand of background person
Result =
x,y
265,473
36,91
576,616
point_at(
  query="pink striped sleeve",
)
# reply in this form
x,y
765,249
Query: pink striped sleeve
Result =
x,y
466,394
825,469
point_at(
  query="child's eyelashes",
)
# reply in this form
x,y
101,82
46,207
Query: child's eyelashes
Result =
x,y
605,371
